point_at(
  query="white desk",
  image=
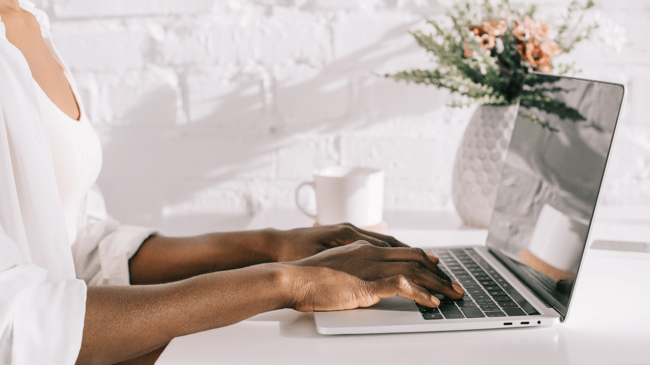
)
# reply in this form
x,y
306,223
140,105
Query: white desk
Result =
x,y
593,334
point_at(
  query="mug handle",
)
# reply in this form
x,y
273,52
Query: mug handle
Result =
x,y
298,202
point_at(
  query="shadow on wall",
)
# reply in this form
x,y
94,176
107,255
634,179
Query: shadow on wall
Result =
x,y
218,169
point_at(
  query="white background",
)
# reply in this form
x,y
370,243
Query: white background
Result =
x,y
210,111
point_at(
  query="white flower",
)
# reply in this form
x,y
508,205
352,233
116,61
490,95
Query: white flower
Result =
x,y
499,46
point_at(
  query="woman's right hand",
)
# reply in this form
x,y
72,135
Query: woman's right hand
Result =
x,y
360,275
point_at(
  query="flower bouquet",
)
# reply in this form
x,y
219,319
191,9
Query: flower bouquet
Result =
x,y
489,53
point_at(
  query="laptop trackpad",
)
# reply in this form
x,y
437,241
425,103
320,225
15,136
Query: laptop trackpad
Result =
x,y
395,304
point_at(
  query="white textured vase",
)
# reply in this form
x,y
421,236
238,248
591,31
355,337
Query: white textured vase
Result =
x,y
480,157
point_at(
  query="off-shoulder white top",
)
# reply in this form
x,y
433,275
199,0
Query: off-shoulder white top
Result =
x,y
55,234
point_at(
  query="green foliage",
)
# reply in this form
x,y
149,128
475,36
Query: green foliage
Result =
x,y
489,76
568,37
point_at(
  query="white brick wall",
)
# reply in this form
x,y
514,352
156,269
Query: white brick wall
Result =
x,y
210,110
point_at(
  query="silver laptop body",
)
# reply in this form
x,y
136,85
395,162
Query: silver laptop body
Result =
x,y
540,225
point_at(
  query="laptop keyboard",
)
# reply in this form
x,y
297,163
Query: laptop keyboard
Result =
x,y
487,294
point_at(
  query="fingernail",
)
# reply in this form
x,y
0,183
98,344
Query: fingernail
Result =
x,y
435,301
433,258
457,287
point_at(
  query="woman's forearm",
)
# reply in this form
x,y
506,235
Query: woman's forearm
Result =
x,y
125,322
165,259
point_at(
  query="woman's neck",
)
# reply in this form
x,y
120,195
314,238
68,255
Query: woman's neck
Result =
x,y
13,4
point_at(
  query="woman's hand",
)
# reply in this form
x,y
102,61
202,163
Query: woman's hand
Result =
x,y
361,274
163,259
301,243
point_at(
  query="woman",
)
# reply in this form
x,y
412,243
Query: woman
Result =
x,y
54,232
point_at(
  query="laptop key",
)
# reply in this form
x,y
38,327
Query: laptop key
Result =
x,y
489,308
519,299
480,296
465,304
466,281
507,304
496,292
475,291
472,312
502,298
470,286
495,314
451,311
432,316
514,311
492,288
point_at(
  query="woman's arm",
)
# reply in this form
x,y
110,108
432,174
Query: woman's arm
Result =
x,y
125,322
164,259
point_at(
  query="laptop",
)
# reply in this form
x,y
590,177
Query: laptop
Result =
x,y
527,272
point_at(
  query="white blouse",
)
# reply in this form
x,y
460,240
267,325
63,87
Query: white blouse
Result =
x,y
55,235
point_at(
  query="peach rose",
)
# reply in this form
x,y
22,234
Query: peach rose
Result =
x,y
550,48
539,55
495,29
538,29
487,42
533,53
478,30
520,32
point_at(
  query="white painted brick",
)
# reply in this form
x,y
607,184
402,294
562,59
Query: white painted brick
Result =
x,y
300,159
400,158
626,192
100,8
386,98
360,34
148,97
218,99
233,38
198,152
184,42
308,95
288,35
638,95
630,155
430,194
100,46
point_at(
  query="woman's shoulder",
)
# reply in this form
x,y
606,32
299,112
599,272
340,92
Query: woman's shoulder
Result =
x,y
18,27
13,21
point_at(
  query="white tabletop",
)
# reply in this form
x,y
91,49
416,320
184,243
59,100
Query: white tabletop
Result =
x,y
594,333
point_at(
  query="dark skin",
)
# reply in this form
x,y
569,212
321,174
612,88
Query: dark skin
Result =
x,y
339,267
214,280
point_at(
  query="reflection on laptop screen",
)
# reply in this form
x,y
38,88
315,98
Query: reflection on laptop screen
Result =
x,y
550,181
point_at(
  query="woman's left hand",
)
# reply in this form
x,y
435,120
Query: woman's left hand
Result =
x,y
301,243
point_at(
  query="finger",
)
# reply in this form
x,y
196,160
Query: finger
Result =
x,y
392,241
355,236
417,273
346,234
433,258
403,287
417,255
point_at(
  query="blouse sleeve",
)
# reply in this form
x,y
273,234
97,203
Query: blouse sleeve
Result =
x,y
104,246
40,322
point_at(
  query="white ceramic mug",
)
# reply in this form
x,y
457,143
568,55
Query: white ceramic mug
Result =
x,y
347,194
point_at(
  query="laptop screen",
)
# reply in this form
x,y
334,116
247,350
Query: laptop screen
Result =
x,y
551,179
